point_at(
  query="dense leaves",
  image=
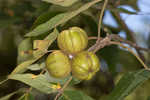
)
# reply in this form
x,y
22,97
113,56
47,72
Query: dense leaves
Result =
x,y
27,96
63,14
128,83
7,97
74,95
62,2
37,54
39,82
59,19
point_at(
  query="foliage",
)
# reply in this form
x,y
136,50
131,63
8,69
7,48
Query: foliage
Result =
x,y
40,39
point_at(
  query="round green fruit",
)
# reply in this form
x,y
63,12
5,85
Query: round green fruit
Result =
x,y
58,65
85,65
73,40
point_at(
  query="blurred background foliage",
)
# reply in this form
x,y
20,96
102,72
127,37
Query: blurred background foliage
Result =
x,y
122,17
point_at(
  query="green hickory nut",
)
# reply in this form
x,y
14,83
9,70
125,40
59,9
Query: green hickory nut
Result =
x,y
85,65
58,64
73,40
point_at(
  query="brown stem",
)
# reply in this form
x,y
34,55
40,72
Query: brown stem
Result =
x,y
100,19
129,32
117,37
92,38
62,89
120,39
100,44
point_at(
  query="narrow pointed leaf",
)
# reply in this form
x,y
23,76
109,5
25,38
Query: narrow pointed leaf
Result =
x,y
38,82
37,54
74,95
59,19
7,97
64,3
128,83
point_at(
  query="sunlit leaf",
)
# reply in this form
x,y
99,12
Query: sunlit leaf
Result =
x,y
39,82
74,95
27,96
40,44
128,83
35,67
61,81
42,28
59,19
23,66
43,18
7,97
37,54
65,3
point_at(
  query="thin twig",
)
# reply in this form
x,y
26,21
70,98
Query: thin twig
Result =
x,y
120,39
48,51
100,19
129,32
92,38
100,44
62,89
130,50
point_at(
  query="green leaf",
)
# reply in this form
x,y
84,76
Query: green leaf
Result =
x,y
27,96
24,50
55,80
43,18
35,67
59,19
148,98
74,95
74,81
60,81
38,82
128,83
46,26
42,45
23,66
91,23
43,6
64,3
7,97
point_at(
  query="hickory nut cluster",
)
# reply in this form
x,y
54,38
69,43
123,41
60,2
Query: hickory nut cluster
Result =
x,y
83,65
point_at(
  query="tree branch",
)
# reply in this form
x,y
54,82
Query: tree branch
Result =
x,y
108,41
115,38
62,89
101,17
129,32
